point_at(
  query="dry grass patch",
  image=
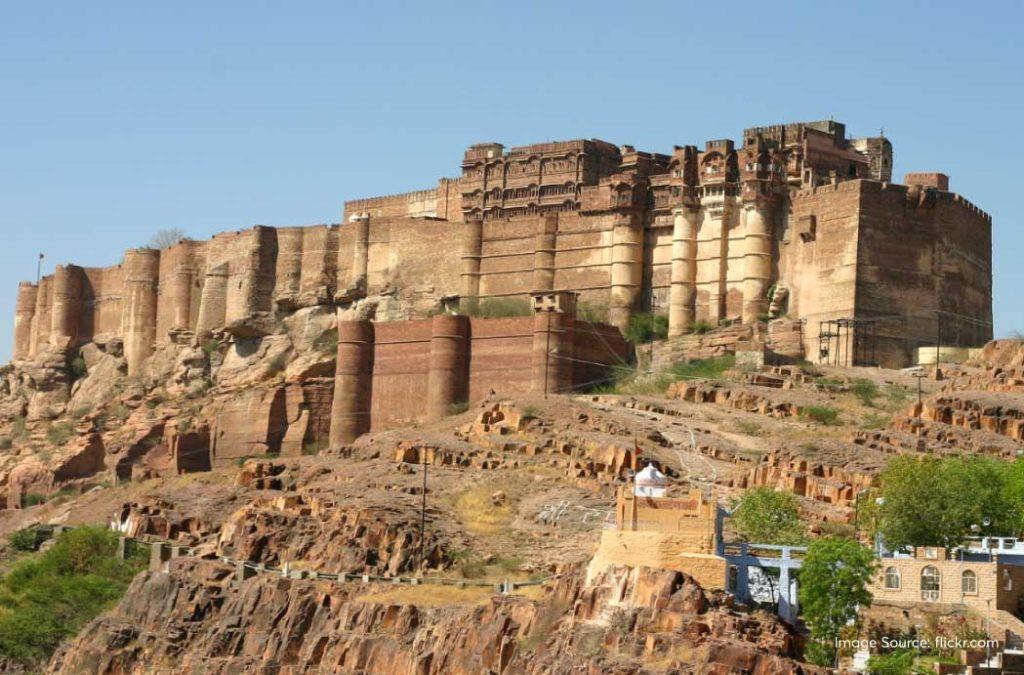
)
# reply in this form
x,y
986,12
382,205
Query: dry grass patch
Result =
x,y
480,514
429,595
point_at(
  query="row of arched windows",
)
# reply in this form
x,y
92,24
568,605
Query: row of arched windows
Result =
x,y
931,582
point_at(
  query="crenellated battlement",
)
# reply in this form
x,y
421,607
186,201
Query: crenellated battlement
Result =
x,y
704,231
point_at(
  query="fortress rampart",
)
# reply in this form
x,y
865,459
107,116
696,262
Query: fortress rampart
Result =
x,y
797,220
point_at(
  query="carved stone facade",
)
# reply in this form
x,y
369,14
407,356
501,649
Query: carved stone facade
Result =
x,y
797,220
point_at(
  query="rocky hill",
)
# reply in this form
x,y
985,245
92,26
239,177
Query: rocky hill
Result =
x,y
220,448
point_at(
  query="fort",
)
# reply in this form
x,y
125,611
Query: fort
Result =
x,y
793,221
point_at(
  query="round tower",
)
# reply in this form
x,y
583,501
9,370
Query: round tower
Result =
x,y
683,293
353,382
24,312
448,380
138,318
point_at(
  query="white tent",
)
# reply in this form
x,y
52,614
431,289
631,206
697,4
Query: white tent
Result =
x,y
650,482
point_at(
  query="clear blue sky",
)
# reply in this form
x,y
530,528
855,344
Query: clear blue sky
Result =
x,y
120,119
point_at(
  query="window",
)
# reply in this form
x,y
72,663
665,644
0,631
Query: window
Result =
x,y
931,582
1007,581
734,575
892,578
969,583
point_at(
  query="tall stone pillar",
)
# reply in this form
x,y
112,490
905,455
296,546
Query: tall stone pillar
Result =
x,y
757,259
251,276
554,317
627,268
353,382
43,316
67,305
24,312
448,379
544,254
213,300
472,249
138,313
683,294
360,251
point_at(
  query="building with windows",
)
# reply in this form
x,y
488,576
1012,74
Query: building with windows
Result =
x,y
935,575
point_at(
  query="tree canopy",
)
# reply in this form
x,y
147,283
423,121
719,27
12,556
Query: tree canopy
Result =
x,y
833,586
766,516
935,502
166,238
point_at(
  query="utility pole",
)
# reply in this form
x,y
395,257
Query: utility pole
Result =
x,y
423,506
654,306
39,267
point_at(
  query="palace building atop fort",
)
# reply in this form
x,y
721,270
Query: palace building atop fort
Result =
x,y
792,220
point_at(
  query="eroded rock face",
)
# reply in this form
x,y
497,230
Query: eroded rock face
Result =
x,y
197,618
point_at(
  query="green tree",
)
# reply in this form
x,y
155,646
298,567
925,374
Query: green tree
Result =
x,y
766,516
933,502
833,586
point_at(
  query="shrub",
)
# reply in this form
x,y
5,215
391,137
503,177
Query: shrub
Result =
x,y
328,341
701,368
59,433
594,312
821,414
32,499
210,346
23,540
700,327
458,407
77,368
865,390
18,427
314,447
498,308
80,412
896,394
647,327
530,412
6,442
747,427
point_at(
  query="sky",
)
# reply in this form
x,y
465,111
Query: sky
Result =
x,y
118,120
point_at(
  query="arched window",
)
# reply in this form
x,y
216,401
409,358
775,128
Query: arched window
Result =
x,y
892,578
1007,581
931,583
969,583
734,576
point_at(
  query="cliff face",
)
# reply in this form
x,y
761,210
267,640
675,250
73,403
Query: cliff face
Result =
x,y
629,620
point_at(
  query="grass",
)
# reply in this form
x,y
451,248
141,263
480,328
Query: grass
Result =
x,y
646,327
498,308
32,499
865,390
59,433
479,514
875,420
701,368
700,327
749,428
820,414
896,395
48,597
628,380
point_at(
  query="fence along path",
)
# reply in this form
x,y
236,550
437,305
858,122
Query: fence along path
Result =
x,y
163,550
